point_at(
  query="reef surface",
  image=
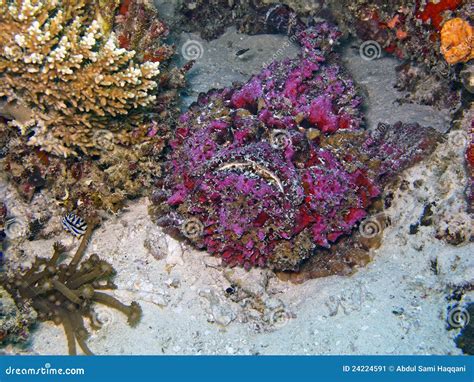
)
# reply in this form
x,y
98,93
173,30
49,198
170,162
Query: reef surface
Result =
x,y
399,303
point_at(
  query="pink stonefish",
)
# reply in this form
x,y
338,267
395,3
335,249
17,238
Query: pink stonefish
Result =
x,y
267,173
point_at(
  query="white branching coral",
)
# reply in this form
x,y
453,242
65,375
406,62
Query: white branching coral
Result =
x,y
66,74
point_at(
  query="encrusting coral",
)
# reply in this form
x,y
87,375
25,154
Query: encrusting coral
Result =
x,y
139,28
413,31
81,184
63,76
65,293
427,87
408,29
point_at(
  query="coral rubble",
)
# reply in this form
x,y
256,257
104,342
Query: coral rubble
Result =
x,y
266,173
65,293
64,78
15,321
81,184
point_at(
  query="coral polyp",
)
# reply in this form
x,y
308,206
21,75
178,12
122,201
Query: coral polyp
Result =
x,y
65,293
276,168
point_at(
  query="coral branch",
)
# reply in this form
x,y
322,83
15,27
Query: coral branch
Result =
x,y
132,311
63,75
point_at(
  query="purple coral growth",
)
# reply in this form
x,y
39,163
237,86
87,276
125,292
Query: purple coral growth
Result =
x,y
278,167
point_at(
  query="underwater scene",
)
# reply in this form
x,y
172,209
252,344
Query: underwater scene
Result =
x,y
229,177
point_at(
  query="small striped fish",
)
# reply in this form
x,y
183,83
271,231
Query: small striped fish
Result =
x,y
74,224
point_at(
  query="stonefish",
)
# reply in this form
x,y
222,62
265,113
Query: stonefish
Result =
x,y
272,172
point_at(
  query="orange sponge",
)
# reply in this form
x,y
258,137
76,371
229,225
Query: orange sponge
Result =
x,y
457,41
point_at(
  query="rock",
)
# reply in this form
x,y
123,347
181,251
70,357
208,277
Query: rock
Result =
x,y
218,311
